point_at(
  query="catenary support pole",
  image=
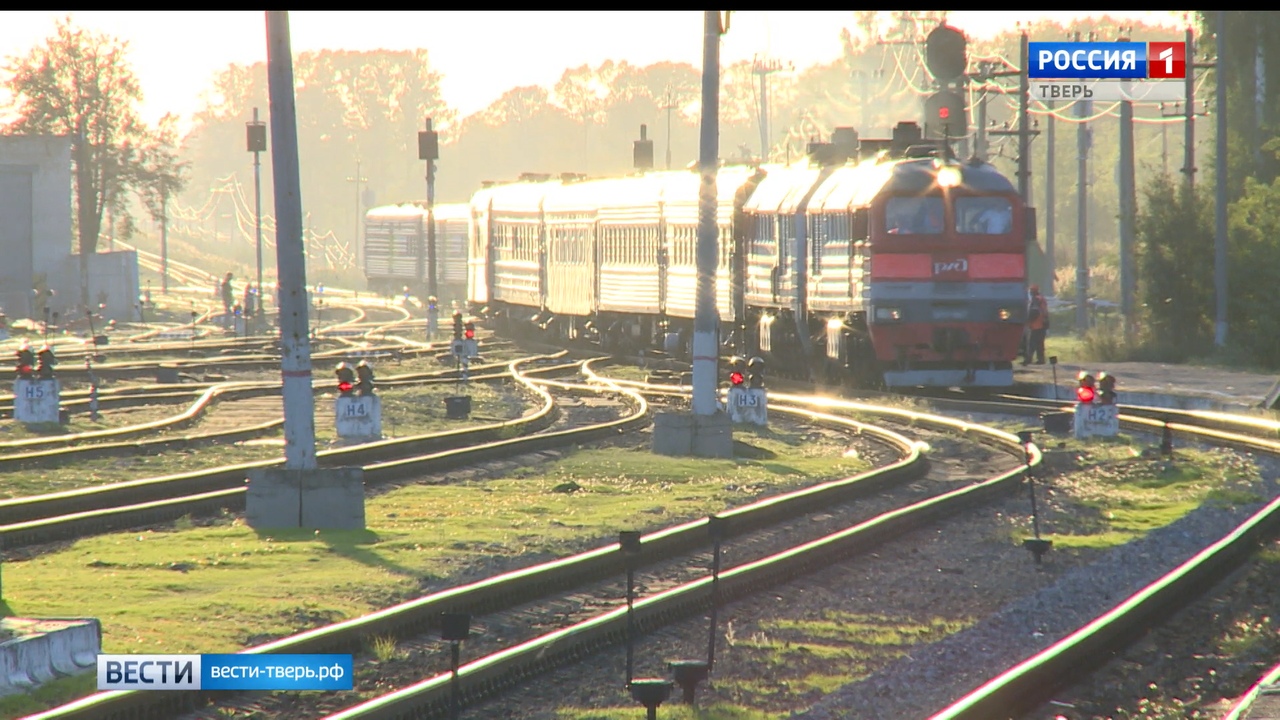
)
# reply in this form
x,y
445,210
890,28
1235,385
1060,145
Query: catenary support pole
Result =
x,y
1128,212
706,321
295,339
1082,217
1220,211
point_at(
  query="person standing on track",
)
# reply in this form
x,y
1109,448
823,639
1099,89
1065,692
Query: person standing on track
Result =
x,y
228,296
1037,327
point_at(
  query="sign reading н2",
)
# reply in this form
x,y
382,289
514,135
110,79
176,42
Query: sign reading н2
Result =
x,y
1106,60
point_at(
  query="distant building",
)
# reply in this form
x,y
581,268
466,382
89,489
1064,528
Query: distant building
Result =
x,y
36,241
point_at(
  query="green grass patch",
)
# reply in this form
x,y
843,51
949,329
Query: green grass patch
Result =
x,y
406,411
53,693
222,586
1126,495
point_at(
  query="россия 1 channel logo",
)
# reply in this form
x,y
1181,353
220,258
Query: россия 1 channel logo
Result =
x,y
1106,60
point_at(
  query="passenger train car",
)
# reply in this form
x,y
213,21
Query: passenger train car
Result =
x,y
885,260
395,242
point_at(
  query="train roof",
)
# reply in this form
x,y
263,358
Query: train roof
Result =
x,y
412,211
641,194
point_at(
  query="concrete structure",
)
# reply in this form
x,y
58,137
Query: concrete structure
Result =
x,y
37,241
1096,421
323,499
748,405
35,216
44,649
113,281
358,417
708,436
36,401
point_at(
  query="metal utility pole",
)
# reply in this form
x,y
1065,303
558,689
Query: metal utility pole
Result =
x,y
1085,107
1189,152
706,321
980,138
429,150
1050,196
1259,90
1128,212
295,342
1220,211
763,69
669,106
1024,129
257,140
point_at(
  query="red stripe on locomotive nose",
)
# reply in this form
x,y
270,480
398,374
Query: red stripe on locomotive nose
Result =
x,y
997,266
901,266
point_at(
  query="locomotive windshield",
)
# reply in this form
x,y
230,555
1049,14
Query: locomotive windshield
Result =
x,y
914,215
983,215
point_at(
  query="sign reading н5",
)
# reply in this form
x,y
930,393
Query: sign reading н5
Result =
x,y
1107,60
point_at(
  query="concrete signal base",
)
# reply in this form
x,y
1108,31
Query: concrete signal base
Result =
x,y
708,436
321,499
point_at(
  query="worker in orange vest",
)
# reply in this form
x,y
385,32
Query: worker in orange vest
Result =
x,y
1037,327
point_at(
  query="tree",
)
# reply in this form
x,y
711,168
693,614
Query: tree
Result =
x,y
1176,274
79,84
160,176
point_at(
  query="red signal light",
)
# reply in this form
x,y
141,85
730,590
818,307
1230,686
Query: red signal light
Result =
x,y
24,369
944,112
736,378
471,334
344,386
1085,394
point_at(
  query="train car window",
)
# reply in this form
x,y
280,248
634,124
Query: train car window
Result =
x,y
983,215
914,215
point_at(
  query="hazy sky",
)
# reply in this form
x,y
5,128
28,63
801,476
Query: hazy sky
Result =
x,y
176,54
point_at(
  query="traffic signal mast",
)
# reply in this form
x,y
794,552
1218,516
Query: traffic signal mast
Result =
x,y
457,326
736,367
946,111
1087,391
364,378
755,370
346,379
26,362
46,360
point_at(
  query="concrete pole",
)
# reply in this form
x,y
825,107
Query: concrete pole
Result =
x,y
706,321
257,218
1220,211
295,338
1050,198
1085,107
1128,211
1189,150
164,242
433,290
1024,125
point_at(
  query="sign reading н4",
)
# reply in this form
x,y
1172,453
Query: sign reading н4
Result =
x,y
1107,60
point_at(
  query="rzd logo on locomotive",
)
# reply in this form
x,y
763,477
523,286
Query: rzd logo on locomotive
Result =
x,y
949,268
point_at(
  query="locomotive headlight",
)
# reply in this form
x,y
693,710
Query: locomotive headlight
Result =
x,y
888,314
1005,313
948,176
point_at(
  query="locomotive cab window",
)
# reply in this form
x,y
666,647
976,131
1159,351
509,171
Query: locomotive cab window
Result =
x,y
983,215
914,215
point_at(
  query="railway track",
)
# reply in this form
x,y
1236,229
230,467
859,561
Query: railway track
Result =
x,y
572,642
75,513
